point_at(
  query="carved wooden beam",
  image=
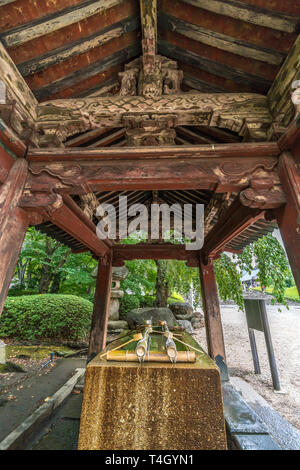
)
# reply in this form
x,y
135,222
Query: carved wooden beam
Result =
x,y
230,110
157,251
222,167
235,220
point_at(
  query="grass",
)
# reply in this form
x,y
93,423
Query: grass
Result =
x,y
290,293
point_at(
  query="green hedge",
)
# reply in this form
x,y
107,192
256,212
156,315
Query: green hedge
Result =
x,y
46,316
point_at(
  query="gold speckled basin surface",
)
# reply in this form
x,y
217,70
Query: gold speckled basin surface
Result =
x,y
152,406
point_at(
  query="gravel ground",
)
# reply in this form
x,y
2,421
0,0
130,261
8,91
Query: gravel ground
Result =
x,y
285,331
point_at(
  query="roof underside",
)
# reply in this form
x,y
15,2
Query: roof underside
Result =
x,y
76,48
68,48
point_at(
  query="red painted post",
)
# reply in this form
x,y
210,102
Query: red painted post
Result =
x,y
101,307
213,322
288,216
13,224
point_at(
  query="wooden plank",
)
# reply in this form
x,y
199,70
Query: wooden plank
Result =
x,y
56,21
220,41
108,139
101,307
249,14
288,217
233,27
78,47
279,94
74,32
90,71
288,6
86,137
78,63
13,224
260,84
24,11
90,84
202,86
212,315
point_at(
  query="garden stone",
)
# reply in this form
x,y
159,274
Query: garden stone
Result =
x,y
198,317
181,308
137,316
186,325
184,317
117,325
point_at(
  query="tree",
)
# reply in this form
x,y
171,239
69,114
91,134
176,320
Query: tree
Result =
x,y
45,265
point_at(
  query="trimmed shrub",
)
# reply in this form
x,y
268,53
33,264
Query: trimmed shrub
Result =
x,y
46,316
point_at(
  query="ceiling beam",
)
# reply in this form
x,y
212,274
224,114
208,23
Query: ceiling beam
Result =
x,y
249,14
131,51
56,21
220,41
260,84
80,46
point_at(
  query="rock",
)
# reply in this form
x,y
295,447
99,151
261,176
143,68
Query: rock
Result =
x,y
117,325
137,316
181,308
186,325
184,317
114,309
198,318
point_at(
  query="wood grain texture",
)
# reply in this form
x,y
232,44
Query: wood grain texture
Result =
x,y
55,22
221,41
81,75
261,85
250,14
101,307
78,47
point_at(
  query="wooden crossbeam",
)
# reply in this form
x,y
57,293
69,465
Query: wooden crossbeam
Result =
x,y
220,167
229,110
154,251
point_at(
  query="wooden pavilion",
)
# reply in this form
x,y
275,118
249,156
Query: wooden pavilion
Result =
x,y
169,101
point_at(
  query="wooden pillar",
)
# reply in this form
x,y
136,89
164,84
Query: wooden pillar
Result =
x,y
288,216
213,323
101,307
13,224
